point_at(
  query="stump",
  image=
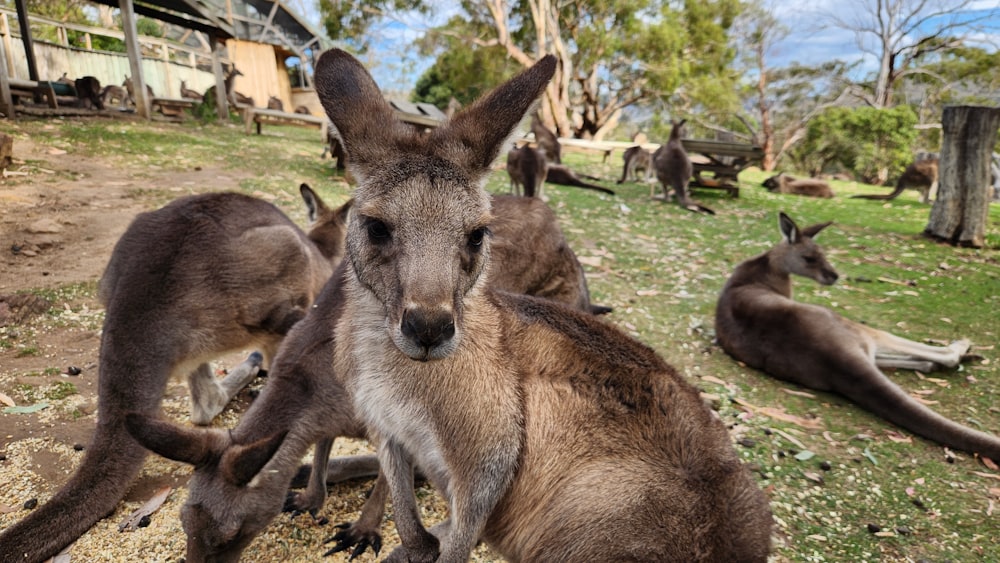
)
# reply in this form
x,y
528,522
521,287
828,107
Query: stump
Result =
x,y
6,151
960,212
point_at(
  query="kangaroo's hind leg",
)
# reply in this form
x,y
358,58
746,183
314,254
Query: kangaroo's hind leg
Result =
x,y
209,395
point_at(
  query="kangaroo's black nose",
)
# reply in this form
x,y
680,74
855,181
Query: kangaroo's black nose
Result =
x,y
428,328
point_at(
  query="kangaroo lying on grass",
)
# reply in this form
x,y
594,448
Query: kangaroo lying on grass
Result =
x,y
674,170
785,184
305,402
552,435
526,167
921,175
201,277
637,158
758,323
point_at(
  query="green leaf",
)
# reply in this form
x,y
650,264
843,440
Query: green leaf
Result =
x,y
804,455
26,409
871,458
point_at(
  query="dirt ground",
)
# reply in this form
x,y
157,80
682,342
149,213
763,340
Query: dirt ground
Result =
x,y
60,217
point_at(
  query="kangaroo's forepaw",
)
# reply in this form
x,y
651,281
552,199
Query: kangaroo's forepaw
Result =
x,y
298,504
961,346
351,535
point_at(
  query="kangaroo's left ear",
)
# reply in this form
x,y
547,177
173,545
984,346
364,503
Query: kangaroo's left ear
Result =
x,y
789,230
813,230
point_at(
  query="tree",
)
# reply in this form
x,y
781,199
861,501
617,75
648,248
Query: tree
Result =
x,y
899,32
350,22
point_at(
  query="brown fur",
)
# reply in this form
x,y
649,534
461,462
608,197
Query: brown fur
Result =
x,y
127,83
188,93
526,167
552,435
305,403
111,93
303,110
546,140
564,176
275,102
758,323
334,148
810,187
202,276
921,175
674,170
88,92
636,158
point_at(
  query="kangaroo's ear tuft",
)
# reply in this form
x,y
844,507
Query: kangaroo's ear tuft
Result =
x,y
475,136
789,230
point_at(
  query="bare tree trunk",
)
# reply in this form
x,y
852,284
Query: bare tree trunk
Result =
x,y
961,208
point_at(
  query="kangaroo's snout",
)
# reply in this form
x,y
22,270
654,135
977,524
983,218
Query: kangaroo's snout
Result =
x,y
428,329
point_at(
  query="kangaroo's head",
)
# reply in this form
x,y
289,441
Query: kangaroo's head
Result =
x,y
799,254
418,241
328,226
677,130
225,509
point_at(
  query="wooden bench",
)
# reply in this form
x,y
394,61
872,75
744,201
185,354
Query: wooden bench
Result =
x,y
172,107
34,90
259,116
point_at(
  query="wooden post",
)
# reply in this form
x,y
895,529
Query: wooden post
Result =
x,y
29,49
961,210
221,96
6,99
8,46
142,100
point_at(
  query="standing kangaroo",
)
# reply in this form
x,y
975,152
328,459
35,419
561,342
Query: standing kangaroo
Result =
x,y
785,184
636,158
526,167
305,403
552,435
674,170
758,323
203,276
547,141
188,93
921,175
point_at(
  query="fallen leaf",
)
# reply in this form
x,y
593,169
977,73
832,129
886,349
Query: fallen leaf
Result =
x,y
989,463
804,455
26,409
647,292
813,476
594,261
868,454
885,534
899,438
4,509
151,505
779,414
799,393
7,400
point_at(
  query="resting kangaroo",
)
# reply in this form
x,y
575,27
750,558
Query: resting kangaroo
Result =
x,y
636,158
200,277
921,175
188,93
811,187
305,403
551,435
526,167
674,170
758,323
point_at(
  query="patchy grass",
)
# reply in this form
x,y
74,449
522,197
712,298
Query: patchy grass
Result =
x,y
832,478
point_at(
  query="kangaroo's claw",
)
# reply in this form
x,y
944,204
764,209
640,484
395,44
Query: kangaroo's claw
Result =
x,y
361,540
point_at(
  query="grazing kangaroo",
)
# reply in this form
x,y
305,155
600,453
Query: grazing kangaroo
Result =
x,y
758,323
636,158
112,93
200,277
188,93
547,141
306,404
552,435
88,92
674,170
275,102
526,167
921,175
785,184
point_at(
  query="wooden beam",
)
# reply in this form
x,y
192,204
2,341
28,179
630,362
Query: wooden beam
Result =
x,y
6,99
221,96
134,58
29,48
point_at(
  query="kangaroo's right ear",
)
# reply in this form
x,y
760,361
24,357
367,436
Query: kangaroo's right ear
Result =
x,y
240,464
314,204
344,211
789,230
192,446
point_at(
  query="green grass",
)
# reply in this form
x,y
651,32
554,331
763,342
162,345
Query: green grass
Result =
x,y
662,268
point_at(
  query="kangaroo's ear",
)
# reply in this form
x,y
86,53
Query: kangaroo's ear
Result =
x,y
314,204
789,230
475,135
353,102
344,211
240,464
194,446
813,230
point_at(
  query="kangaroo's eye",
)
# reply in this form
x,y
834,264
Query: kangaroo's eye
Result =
x,y
476,237
810,259
378,232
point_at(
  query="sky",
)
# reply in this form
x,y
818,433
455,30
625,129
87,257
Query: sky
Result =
x,y
396,66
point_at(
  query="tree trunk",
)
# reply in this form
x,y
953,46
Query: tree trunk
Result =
x,y
961,208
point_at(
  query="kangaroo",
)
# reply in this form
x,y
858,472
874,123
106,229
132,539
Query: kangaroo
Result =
x,y
334,148
674,170
275,102
552,435
188,93
526,167
127,84
758,323
921,175
547,141
305,403
811,187
202,276
564,176
88,92
303,110
112,92
636,158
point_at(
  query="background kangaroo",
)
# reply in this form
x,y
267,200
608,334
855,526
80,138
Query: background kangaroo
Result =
x,y
921,175
188,93
547,141
758,323
526,167
636,158
552,435
674,170
306,403
811,187
200,277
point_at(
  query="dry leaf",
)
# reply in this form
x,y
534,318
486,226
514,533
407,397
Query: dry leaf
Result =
x,y
899,438
989,463
799,393
594,261
647,292
813,476
989,475
132,522
7,400
780,414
